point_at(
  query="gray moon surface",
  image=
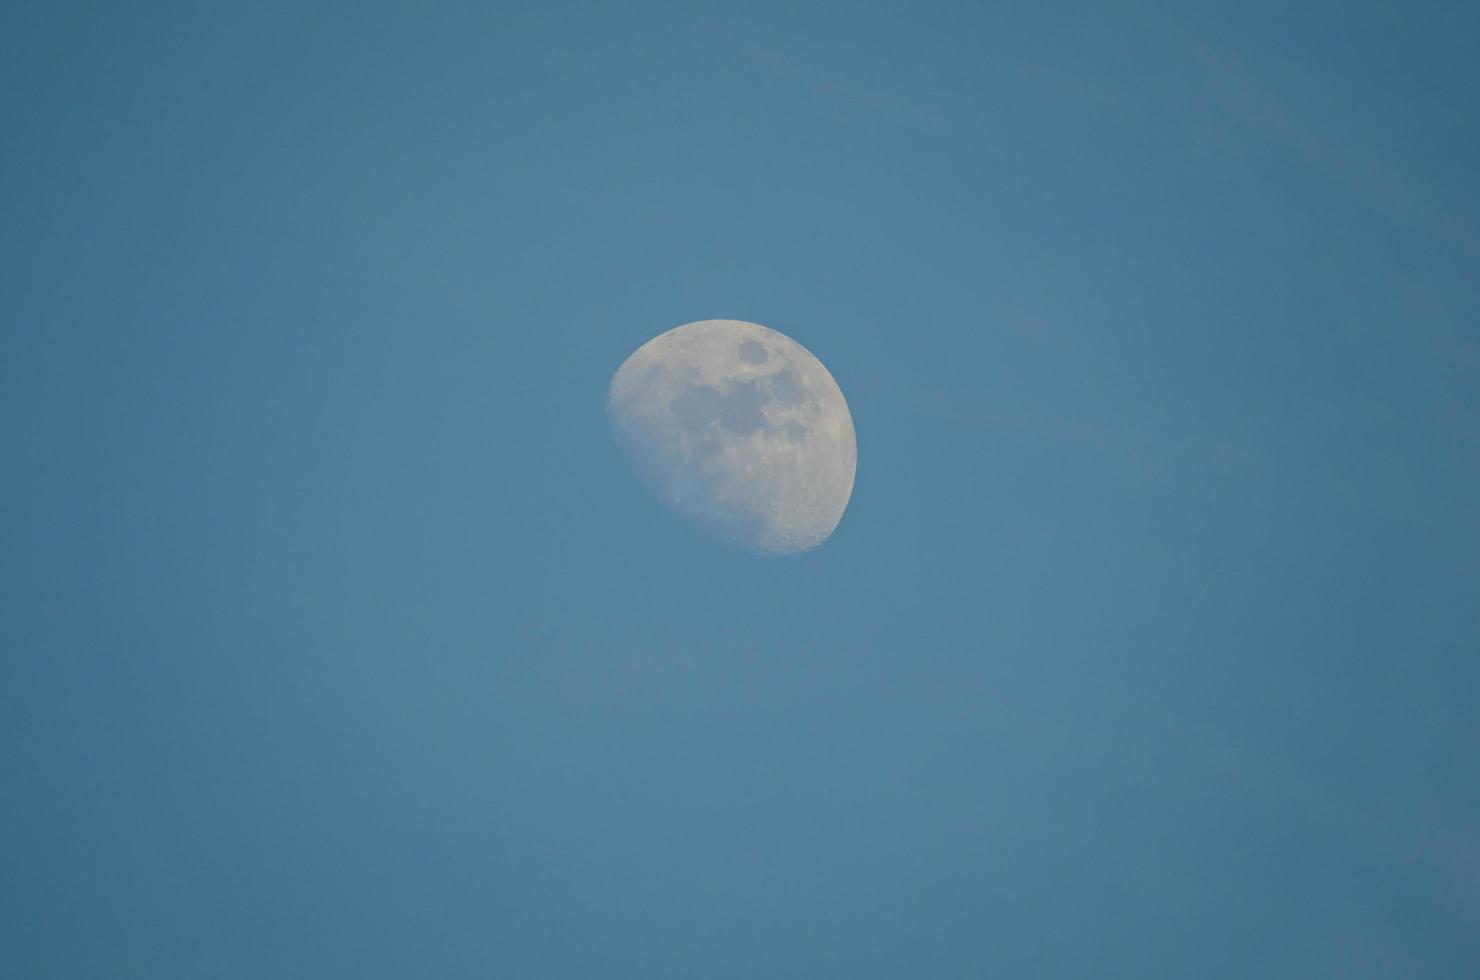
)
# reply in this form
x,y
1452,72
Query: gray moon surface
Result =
x,y
741,431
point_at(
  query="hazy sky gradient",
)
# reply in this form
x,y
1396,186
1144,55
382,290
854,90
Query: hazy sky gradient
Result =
x,y
337,640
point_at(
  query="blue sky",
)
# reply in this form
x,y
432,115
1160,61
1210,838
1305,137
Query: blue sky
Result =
x,y
337,640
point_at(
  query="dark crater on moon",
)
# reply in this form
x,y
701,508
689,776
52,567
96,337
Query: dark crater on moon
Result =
x,y
784,386
701,409
753,352
738,411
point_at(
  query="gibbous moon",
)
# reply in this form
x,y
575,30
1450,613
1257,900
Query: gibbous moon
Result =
x,y
740,430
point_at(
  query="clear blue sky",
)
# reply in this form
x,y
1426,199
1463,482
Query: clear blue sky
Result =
x,y
336,640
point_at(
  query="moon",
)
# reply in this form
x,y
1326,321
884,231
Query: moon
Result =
x,y
741,431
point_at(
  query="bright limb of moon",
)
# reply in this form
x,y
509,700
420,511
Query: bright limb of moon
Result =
x,y
740,430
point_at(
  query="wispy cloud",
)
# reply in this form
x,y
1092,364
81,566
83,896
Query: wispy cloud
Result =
x,y
1367,173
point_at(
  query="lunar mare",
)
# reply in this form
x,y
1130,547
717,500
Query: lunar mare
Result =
x,y
740,430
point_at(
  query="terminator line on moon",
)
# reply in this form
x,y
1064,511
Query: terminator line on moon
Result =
x,y
740,430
